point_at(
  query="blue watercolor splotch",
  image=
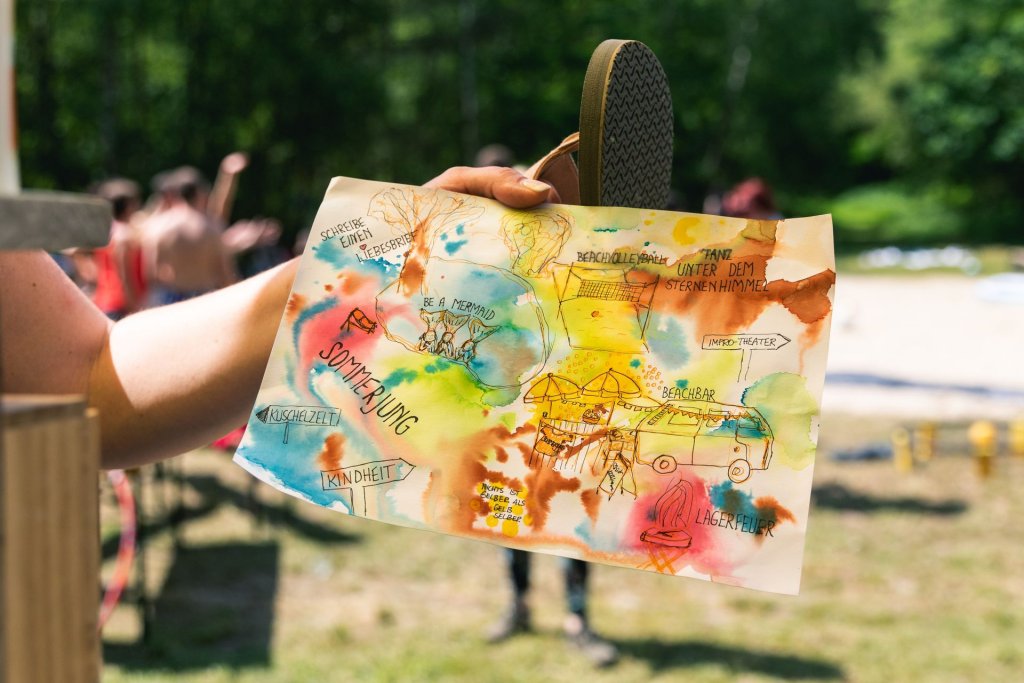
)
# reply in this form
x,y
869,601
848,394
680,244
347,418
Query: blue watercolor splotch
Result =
x,y
399,376
726,498
332,253
667,344
453,247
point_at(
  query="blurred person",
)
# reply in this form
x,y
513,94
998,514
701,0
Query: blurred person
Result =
x,y
494,155
253,244
182,249
575,572
167,380
117,267
751,198
221,199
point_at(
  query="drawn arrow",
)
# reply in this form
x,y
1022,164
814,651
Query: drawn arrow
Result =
x,y
357,477
744,343
313,416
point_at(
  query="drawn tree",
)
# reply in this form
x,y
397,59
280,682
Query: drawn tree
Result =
x,y
425,214
534,239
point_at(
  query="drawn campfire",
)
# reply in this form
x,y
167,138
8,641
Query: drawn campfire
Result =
x,y
672,512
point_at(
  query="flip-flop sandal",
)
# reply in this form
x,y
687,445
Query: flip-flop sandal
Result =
x,y
625,140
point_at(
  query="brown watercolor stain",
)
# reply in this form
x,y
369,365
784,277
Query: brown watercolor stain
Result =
x,y
591,503
414,270
461,484
807,299
332,453
352,282
543,483
328,288
768,507
296,304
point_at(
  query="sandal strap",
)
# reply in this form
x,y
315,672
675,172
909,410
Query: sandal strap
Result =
x,y
558,169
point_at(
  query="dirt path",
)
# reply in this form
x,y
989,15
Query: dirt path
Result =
x,y
924,346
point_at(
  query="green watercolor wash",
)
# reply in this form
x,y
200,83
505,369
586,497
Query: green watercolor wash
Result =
x,y
788,406
499,398
606,229
509,421
682,383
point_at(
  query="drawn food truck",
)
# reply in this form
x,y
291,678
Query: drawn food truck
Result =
x,y
704,433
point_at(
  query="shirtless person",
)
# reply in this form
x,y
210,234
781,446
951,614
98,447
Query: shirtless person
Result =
x,y
167,380
182,248
119,280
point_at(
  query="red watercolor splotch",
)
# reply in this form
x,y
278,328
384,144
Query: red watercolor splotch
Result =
x,y
704,554
322,330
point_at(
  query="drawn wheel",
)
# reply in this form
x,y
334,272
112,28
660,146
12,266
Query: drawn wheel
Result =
x,y
664,464
739,471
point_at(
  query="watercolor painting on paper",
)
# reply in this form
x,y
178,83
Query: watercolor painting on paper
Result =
x,y
633,387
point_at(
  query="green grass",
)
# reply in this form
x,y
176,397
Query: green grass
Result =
x,y
907,577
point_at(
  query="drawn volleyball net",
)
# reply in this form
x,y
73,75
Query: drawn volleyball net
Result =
x,y
610,291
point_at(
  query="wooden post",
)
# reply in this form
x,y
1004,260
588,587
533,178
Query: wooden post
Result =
x,y
49,550
982,435
1016,436
901,455
924,442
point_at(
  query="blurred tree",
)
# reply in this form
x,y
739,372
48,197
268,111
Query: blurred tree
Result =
x,y
942,108
813,95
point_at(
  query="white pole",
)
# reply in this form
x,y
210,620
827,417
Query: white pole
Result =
x,y
10,181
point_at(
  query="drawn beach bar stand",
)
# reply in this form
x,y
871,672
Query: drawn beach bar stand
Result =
x,y
555,380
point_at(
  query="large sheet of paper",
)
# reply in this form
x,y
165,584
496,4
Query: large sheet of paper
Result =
x,y
638,388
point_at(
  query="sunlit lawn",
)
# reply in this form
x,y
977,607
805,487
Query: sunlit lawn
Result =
x,y
908,577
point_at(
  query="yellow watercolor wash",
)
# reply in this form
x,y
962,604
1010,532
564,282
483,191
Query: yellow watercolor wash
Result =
x,y
691,230
510,527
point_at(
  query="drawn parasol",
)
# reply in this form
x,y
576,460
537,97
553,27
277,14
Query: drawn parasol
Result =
x,y
612,384
552,388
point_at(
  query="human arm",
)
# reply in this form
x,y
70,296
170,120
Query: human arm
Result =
x,y
170,379
225,186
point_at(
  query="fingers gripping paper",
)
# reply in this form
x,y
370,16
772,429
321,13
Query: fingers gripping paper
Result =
x,y
638,388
